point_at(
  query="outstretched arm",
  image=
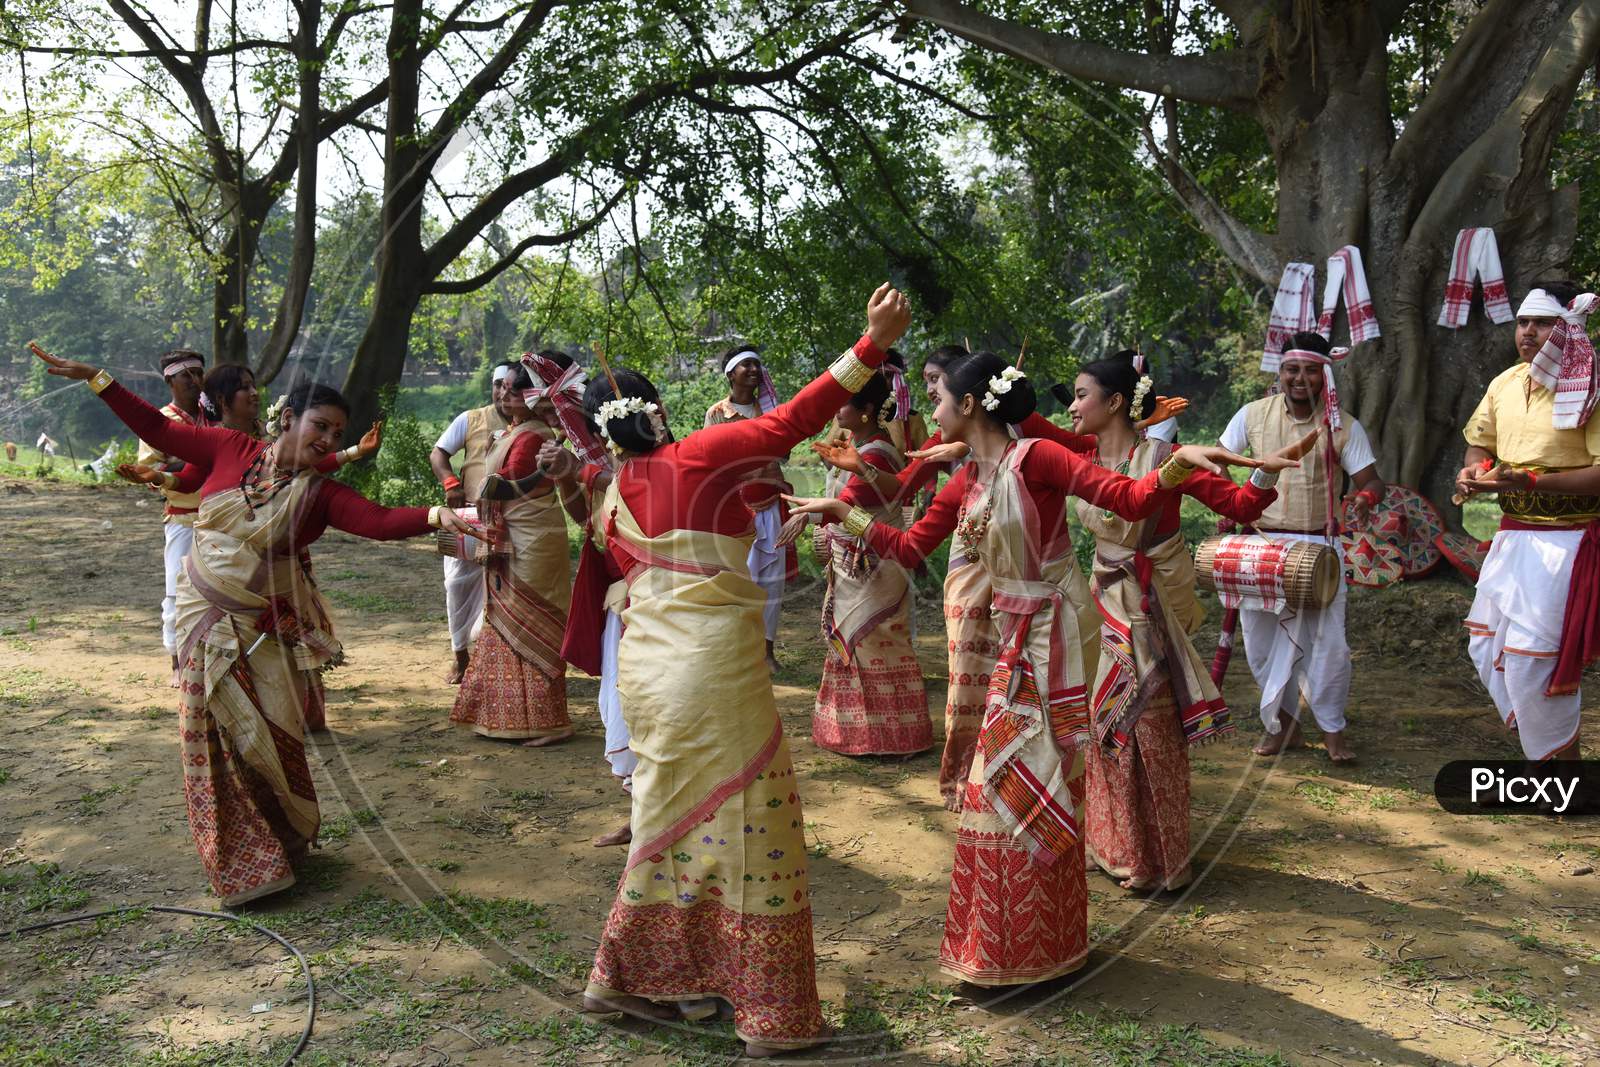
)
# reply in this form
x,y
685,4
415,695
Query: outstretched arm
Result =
x,y
749,443
906,547
347,510
1241,503
190,443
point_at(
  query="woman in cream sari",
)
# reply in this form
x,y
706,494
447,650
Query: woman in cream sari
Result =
x,y
1018,910
252,627
871,700
713,900
515,686
1152,695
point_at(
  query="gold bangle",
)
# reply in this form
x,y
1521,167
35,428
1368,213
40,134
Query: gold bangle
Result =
x,y
850,372
433,517
1174,472
855,524
100,381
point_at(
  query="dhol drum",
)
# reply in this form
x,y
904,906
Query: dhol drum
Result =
x,y
460,546
1269,571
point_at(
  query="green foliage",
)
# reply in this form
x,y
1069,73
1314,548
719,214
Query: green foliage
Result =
x,y
400,475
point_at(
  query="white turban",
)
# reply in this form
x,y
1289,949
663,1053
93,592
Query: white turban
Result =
x,y
502,372
1539,304
738,358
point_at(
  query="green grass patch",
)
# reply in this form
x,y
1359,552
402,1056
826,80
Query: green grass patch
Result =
x,y
376,603
41,887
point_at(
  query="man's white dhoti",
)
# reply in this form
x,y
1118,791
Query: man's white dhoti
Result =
x,y
180,539
767,566
1515,634
1300,652
618,753
463,600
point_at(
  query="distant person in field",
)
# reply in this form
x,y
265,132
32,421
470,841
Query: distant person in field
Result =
x,y
515,686
751,394
471,434
46,445
252,625
184,372
1535,440
1304,652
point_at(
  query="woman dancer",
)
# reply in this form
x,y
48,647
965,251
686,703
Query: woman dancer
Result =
x,y
1152,694
871,700
1018,901
248,623
713,900
515,686
230,390
971,636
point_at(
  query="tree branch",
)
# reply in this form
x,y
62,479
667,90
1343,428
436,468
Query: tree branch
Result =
x,y
1484,73
1249,248
1222,80
489,75
454,240
478,281
1515,149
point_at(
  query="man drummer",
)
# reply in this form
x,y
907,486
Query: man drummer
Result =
x,y
1533,439
1303,652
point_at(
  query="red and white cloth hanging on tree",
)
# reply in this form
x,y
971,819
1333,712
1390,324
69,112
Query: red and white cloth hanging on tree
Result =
x,y
1476,255
1348,277
1292,313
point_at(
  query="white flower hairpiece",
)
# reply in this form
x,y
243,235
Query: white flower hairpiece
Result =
x,y
624,406
1142,390
1000,386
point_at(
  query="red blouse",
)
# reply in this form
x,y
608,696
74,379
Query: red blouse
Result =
x,y
1050,473
227,454
696,483
922,473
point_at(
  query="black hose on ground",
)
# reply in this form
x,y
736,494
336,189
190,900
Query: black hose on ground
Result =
x,y
311,986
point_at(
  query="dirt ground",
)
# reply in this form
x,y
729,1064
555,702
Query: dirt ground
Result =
x,y
450,916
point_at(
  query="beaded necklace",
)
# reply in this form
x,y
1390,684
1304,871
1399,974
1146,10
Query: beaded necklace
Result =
x,y
1120,468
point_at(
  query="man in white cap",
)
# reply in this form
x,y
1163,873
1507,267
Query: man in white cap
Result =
x,y
1535,622
751,394
1295,652
184,372
471,433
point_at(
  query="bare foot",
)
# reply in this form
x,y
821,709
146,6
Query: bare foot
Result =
x,y
459,669
177,679
772,665
540,742
620,836
1288,736
952,802
629,1005
1338,750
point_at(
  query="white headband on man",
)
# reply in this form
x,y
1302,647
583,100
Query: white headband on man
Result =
x,y
179,366
1539,304
502,372
738,358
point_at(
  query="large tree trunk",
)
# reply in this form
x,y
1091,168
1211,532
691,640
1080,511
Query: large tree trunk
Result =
x,y
380,358
1474,152
230,296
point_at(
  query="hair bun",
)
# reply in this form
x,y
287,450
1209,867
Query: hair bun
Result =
x,y
1017,404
